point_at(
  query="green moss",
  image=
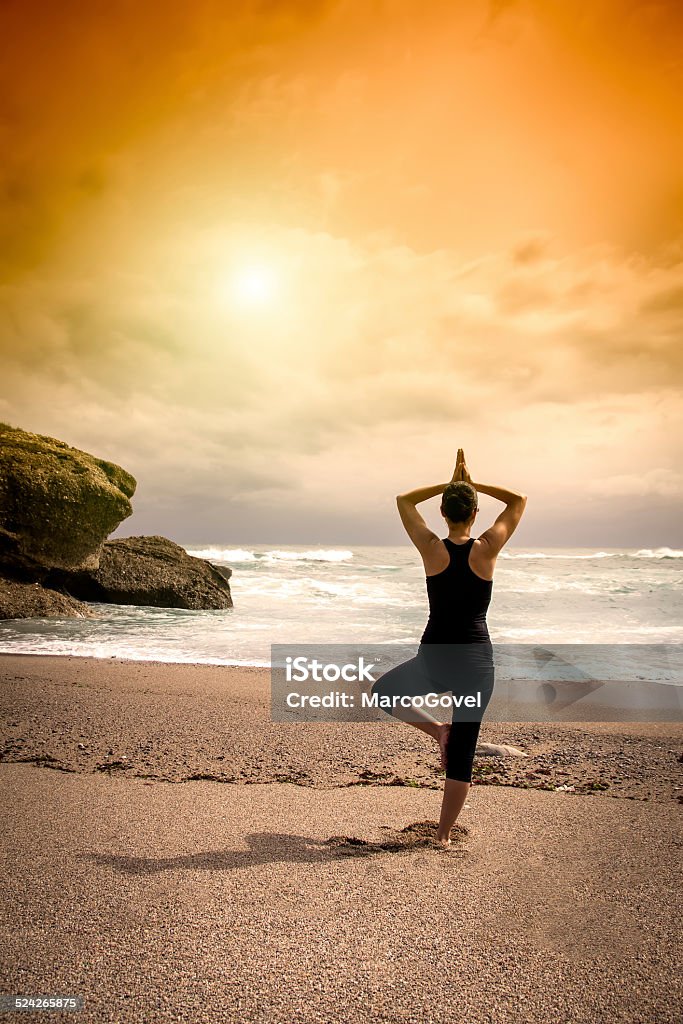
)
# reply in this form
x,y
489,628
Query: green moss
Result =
x,y
58,502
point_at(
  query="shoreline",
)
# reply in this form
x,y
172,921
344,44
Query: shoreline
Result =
x,y
147,661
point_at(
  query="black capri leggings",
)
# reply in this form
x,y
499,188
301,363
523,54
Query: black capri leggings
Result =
x,y
440,668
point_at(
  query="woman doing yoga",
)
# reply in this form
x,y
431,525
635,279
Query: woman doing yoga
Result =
x,y
455,651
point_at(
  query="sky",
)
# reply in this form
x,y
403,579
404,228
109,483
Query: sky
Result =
x,y
280,260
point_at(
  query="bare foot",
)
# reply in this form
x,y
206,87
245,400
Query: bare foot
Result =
x,y
444,732
442,844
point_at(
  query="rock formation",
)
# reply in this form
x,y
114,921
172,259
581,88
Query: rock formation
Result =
x,y
149,571
31,600
57,507
57,504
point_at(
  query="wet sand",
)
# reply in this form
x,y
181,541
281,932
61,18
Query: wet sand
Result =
x,y
192,860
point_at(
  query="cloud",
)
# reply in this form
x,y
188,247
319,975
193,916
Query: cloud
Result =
x,y
472,213
371,356
669,300
654,483
348,117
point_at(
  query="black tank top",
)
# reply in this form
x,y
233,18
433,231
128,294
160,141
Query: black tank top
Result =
x,y
458,601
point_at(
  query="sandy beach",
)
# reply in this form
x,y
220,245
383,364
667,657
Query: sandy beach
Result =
x,y
172,854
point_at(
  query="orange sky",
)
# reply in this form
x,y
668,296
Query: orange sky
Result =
x,y
465,227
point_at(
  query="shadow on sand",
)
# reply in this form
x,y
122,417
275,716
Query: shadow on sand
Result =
x,y
273,847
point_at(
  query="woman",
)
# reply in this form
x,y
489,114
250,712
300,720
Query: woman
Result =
x,y
459,572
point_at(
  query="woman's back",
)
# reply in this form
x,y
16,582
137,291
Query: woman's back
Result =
x,y
458,600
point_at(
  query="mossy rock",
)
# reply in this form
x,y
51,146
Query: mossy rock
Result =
x,y
57,504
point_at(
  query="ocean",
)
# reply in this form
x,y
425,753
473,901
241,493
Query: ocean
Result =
x,y
363,595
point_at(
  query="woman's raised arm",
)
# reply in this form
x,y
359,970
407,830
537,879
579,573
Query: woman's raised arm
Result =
x,y
509,497
422,537
505,525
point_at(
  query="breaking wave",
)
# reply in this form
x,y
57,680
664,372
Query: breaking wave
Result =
x,y
276,555
642,553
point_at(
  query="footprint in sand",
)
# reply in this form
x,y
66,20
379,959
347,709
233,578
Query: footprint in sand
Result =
x,y
418,835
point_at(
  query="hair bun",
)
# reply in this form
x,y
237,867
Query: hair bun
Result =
x,y
459,501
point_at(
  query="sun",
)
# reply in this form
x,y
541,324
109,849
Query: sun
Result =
x,y
254,286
